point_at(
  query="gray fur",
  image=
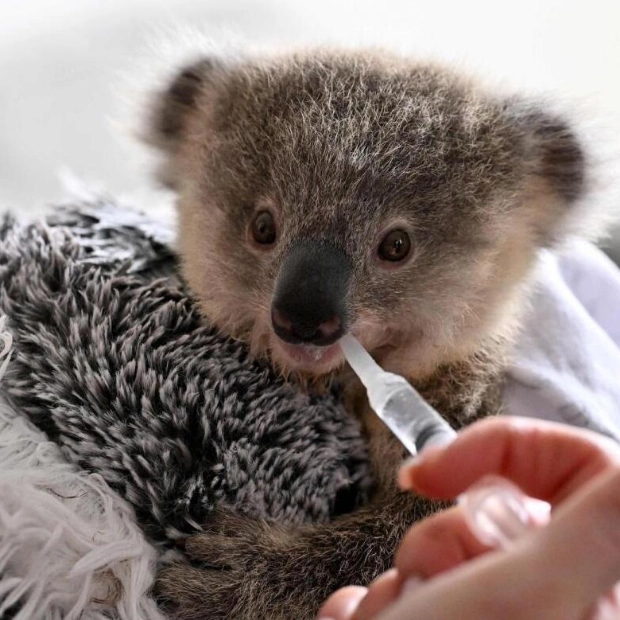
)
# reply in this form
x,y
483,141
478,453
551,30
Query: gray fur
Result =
x,y
120,370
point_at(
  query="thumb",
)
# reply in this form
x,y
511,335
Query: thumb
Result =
x,y
342,604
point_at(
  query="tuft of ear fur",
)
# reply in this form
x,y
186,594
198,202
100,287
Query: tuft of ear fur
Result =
x,y
172,102
157,92
172,106
562,159
573,162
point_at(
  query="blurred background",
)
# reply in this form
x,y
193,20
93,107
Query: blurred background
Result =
x,y
61,62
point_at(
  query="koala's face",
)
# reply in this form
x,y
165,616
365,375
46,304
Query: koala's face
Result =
x,y
325,194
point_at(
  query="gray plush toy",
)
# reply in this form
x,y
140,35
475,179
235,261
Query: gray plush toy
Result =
x,y
113,361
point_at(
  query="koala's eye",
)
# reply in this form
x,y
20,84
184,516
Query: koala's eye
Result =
x,y
263,228
395,246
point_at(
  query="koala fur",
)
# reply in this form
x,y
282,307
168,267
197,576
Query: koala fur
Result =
x,y
341,147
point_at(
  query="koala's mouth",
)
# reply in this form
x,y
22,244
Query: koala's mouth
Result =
x,y
311,357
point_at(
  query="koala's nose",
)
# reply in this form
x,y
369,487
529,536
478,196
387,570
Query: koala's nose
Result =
x,y
310,304
299,330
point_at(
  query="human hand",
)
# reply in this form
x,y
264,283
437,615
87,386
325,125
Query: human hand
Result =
x,y
562,571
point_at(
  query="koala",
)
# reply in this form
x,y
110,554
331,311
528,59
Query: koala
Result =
x,y
327,192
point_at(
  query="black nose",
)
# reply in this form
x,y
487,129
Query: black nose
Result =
x,y
310,304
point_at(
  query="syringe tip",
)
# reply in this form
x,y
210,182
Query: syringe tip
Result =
x,y
359,359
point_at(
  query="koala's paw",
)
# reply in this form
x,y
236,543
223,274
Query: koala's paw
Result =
x,y
239,568
186,592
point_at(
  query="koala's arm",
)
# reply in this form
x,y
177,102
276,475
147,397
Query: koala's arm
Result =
x,y
246,569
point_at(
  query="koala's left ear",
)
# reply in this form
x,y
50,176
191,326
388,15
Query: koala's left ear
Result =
x,y
171,107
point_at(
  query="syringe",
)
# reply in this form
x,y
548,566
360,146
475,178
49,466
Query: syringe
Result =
x,y
496,510
416,424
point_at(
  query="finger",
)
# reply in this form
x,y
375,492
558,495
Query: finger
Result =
x,y
547,460
482,588
382,592
437,544
341,605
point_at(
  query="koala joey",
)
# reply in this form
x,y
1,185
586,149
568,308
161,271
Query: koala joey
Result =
x,y
325,192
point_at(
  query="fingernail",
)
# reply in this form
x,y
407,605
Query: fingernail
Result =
x,y
411,584
412,461
404,481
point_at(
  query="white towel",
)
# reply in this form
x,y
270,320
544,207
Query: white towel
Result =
x,y
567,362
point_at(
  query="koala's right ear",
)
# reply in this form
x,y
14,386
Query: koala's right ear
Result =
x,y
172,106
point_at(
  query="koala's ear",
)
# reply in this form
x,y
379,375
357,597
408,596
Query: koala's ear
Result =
x,y
563,155
560,157
172,106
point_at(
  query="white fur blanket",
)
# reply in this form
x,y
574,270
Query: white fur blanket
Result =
x,y
69,546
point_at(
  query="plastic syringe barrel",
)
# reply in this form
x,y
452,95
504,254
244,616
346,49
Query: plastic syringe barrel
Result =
x,y
497,512
416,424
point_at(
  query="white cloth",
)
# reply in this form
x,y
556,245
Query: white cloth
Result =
x,y
567,363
